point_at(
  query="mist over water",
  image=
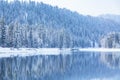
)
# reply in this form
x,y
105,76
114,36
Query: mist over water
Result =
x,y
75,66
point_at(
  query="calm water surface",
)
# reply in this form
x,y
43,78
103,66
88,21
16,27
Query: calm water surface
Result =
x,y
74,66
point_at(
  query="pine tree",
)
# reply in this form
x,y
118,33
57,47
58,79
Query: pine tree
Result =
x,y
2,26
3,32
61,39
11,37
30,39
17,40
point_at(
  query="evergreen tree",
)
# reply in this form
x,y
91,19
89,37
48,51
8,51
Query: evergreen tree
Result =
x,y
17,36
3,33
30,38
11,35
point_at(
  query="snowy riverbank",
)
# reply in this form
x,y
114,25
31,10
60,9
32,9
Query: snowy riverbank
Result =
x,y
49,51
10,52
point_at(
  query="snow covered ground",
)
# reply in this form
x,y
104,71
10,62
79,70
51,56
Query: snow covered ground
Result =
x,y
11,52
100,49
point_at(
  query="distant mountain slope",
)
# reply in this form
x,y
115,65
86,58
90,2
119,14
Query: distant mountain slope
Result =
x,y
115,18
63,25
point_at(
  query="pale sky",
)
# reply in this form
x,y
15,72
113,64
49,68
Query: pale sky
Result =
x,y
87,7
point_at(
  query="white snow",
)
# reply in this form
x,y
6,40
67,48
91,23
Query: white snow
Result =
x,y
11,52
100,49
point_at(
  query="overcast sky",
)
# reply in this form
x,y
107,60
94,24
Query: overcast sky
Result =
x,y
87,7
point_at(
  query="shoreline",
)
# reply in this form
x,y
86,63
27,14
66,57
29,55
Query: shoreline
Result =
x,y
12,52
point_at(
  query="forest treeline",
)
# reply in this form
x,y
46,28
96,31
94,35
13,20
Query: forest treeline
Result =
x,y
38,25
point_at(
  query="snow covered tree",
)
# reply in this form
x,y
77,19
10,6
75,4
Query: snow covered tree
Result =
x,y
111,40
11,35
30,38
2,25
61,39
17,36
3,32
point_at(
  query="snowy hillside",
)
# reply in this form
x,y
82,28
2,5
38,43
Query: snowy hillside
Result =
x,y
115,18
41,25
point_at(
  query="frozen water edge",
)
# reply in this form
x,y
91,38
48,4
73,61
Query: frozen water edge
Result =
x,y
100,49
11,52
